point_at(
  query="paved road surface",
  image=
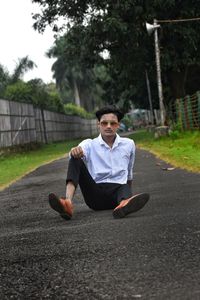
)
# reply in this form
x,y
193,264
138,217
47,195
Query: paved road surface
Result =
x,y
152,254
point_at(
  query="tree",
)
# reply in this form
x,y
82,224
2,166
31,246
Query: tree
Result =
x,y
65,73
178,42
118,27
12,85
4,79
45,96
97,27
18,91
24,65
71,73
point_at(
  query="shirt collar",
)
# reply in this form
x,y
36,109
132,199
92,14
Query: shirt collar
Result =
x,y
115,144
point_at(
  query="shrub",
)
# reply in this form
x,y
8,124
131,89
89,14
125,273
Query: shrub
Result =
x,y
19,91
73,109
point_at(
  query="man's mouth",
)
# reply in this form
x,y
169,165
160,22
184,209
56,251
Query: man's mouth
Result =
x,y
108,131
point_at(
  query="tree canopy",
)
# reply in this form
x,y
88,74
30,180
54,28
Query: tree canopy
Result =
x,y
35,91
93,26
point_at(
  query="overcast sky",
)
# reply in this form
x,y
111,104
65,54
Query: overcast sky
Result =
x,y
19,39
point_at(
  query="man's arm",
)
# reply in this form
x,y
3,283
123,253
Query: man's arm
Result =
x,y
82,150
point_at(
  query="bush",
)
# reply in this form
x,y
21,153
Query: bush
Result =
x,y
174,134
55,102
127,121
19,91
75,110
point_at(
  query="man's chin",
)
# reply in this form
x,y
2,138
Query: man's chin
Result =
x,y
109,133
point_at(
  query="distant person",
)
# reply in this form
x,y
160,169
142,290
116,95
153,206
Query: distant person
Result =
x,y
103,168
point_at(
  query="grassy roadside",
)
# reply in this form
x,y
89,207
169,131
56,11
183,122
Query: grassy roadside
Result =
x,y
15,164
181,149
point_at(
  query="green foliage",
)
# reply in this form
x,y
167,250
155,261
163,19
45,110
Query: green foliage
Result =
x,y
45,96
75,80
12,87
36,93
142,136
4,79
176,128
182,150
127,121
118,27
72,109
174,134
19,91
16,162
108,27
24,64
55,102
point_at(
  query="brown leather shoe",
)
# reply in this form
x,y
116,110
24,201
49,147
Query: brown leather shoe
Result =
x,y
62,206
130,205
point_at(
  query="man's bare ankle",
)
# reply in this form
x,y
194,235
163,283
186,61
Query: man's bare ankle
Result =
x,y
67,197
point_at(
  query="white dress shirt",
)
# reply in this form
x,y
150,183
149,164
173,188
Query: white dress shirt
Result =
x,y
107,164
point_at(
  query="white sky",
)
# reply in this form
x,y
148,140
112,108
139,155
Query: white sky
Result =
x,y
19,39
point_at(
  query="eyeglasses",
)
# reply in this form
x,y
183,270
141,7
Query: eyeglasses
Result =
x,y
112,123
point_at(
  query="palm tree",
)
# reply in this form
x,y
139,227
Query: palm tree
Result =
x,y
66,74
70,74
24,64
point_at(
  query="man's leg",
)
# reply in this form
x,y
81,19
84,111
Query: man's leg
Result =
x,y
70,190
64,205
96,196
130,205
124,192
93,193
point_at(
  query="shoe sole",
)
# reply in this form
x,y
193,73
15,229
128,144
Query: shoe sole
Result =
x,y
55,204
135,204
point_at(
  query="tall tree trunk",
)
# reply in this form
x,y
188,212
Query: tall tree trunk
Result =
x,y
76,93
86,99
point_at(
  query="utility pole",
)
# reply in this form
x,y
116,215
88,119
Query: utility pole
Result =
x,y
158,68
149,96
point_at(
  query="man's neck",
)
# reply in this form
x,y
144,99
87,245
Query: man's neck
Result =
x,y
109,140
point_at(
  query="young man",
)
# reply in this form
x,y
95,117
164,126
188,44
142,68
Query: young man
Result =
x,y
103,168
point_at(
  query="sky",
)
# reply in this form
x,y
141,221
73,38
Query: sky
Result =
x,y
18,39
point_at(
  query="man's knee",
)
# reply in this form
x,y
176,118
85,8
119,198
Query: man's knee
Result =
x,y
75,160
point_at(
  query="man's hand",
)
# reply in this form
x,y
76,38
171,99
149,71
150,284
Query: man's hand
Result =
x,y
77,152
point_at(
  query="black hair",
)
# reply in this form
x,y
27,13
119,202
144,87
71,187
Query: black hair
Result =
x,y
110,110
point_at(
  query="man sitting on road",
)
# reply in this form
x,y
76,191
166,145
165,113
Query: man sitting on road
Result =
x,y
103,168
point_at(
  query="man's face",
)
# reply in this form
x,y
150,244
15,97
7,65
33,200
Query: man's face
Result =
x,y
108,125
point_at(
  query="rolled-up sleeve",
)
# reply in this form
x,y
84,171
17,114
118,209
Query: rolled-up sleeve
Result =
x,y
85,145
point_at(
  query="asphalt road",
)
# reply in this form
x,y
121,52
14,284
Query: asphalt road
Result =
x,y
152,254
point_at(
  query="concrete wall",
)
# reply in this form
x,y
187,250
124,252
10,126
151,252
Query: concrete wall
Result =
x,y
21,123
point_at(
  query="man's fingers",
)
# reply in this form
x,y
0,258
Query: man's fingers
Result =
x,y
77,152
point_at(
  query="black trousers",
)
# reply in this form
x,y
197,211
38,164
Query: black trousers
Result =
x,y
98,196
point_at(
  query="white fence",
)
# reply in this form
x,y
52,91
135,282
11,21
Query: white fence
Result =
x,y
21,123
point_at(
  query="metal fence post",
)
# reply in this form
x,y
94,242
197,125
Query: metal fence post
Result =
x,y
44,127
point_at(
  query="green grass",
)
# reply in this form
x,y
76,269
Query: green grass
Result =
x,y
181,149
14,163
